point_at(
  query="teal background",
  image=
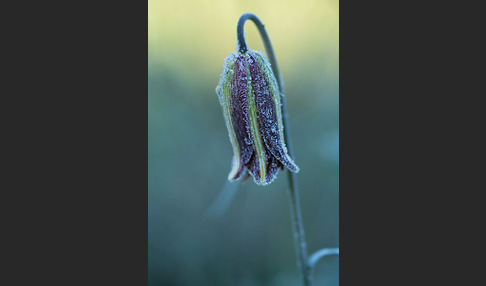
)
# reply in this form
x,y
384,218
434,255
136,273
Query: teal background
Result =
x,y
189,152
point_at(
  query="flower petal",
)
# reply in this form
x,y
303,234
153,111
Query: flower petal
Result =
x,y
267,103
239,115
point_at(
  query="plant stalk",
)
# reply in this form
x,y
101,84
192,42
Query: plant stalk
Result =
x,y
293,191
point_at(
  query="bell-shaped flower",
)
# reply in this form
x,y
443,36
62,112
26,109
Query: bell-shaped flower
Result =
x,y
249,95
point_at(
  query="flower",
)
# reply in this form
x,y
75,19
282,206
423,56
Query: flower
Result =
x,y
250,98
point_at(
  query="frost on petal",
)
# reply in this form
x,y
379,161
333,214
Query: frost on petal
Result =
x,y
224,81
267,115
273,166
224,93
239,115
254,168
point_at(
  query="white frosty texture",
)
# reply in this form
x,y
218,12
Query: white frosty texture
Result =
x,y
265,66
225,77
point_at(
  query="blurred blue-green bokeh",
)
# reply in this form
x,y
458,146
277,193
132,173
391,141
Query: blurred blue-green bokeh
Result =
x,y
189,152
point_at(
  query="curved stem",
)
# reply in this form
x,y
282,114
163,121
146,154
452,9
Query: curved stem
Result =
x,y
242,47
320,254
293,191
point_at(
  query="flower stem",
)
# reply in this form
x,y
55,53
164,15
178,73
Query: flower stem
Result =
x,y
293,191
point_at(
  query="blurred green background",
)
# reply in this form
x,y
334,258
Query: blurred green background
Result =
x,y
189,152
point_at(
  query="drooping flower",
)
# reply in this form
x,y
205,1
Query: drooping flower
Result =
x,y
250,98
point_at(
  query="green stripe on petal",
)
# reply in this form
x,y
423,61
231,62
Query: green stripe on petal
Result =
x,y
224,92
255,130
